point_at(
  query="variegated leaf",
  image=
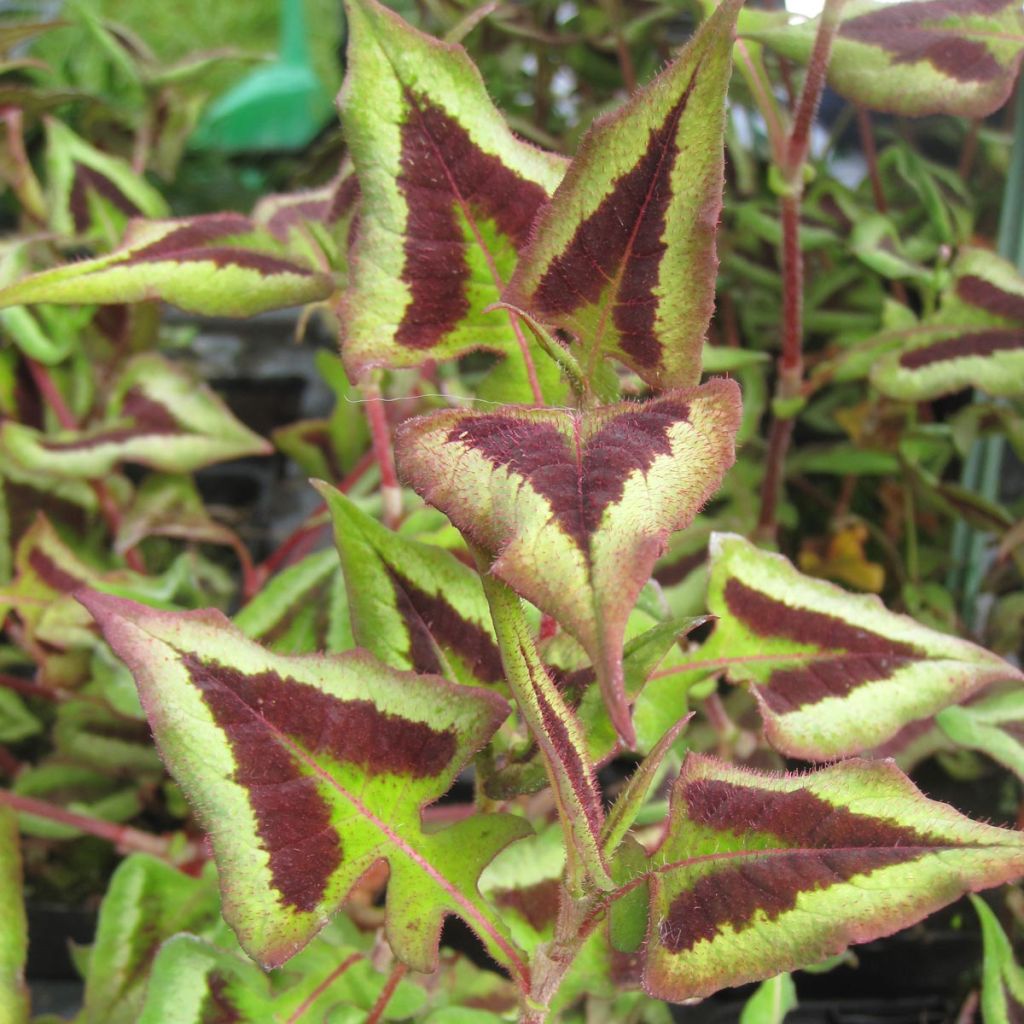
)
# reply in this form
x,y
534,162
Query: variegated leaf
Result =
x,y
635,217
309,769
92,194
157,415
301,610
413,605
574,508
14,998
216,265
912,58
834,673
993,725
976,338
765,873
1002,980
448,198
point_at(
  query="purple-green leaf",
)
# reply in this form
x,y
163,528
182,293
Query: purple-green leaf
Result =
x,y
309,769
624,257
834,673
762,873
574,508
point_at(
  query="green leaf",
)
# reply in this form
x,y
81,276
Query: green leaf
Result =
x,y
1002,980
309,769
636,213
771,1002
994,726
448,198
762,873
14,999
16,721
413,605
976,338
574,508
147,902
215,265
157,416
303,609
956,57
834,673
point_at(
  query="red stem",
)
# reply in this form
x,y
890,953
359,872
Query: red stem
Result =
x,y
380,433
124,837
386,993
323,986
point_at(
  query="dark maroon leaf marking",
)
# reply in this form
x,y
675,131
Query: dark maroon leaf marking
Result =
x,y
979,343
115,436
51,573
537,904
86,180
831,845
907,33
979,292
577,487
217,1007
677,571
317,598
293,818
195,233
225,256
431,619
861,655
148,415
442,170
344,199
620,244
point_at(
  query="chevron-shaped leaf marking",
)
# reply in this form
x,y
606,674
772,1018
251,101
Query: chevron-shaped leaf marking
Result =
x,y
157,415
448,197
636,215
307,770
766,873
413,605
834,673
574,508
217,265
975,338
912,58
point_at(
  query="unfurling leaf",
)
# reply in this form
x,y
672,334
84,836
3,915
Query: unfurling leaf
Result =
x,y
993,725
574,508
920,57
157,415
309,769
448,198
766,873
413,605
216,265
624,257
834,673
1002,980
975,338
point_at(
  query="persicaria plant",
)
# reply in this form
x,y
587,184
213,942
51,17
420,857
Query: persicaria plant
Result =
x,y
568,303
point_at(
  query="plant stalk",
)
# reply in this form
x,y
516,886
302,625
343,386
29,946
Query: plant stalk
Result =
x,y
380,432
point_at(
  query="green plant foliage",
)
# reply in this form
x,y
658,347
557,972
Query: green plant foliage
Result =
x,y
1002,980
14,1004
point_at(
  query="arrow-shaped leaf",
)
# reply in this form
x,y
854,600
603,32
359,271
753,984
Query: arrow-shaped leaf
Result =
x,y
975,338
914,58
413,605
624,257
217,265
834,673
309,769
448,198
157,415
575,507
766,873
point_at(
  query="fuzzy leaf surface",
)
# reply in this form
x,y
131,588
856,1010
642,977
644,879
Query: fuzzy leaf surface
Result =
x,y
157,415
834,673
215,265
448,198
764,873
307,770
635,217
574,508
976,338
913,58
1002,980
414,605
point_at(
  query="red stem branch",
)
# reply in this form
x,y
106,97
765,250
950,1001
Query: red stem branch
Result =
x,y
386,993
380,433
323,987
29,688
